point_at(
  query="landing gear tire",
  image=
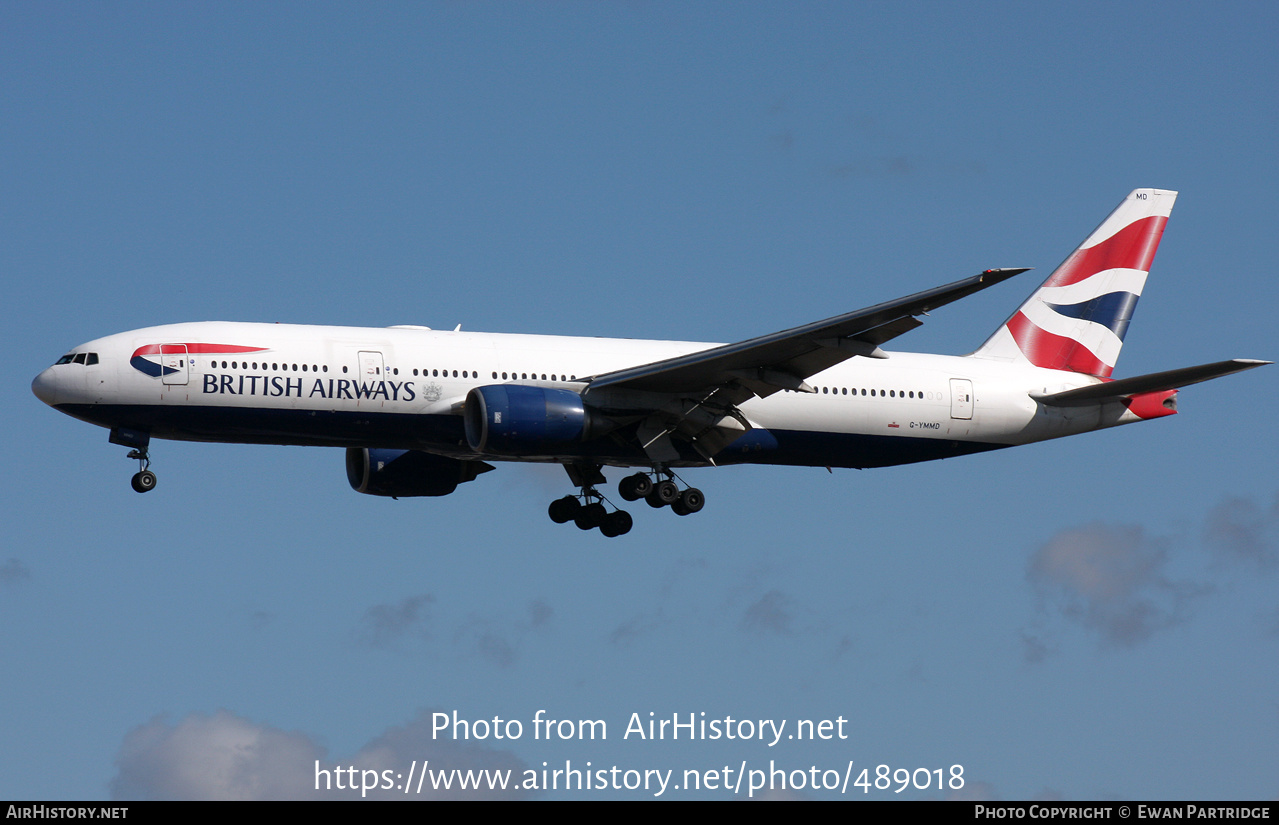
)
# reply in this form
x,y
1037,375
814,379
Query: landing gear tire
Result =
x,y
617,524
636,487
690,501
143,482
564,509
664,494
589,508
590,516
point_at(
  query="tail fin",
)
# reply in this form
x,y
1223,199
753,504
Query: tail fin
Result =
x,y
1077,319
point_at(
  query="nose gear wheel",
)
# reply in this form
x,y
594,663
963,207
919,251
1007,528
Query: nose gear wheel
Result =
x,y
143,480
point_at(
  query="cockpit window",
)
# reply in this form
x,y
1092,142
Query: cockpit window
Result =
x,y
86,358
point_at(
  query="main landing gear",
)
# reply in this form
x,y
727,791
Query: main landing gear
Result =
x,y
588,512
587,509
664,493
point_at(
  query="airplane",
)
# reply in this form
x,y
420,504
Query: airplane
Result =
x,y
420,411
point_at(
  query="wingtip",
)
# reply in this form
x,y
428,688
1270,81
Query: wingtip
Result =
x,y
1003,273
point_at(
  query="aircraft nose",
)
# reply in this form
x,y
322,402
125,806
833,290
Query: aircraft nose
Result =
x,y
44,386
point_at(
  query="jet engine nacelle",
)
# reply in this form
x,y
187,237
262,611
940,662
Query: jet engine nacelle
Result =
x,y
515,419
407,472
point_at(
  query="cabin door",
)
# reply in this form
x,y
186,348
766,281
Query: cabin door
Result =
x,y
961,399
173,364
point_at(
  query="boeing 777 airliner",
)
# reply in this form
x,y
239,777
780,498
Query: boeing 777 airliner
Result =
x,y
420,411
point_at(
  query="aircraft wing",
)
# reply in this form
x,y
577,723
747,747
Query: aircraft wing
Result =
x,y
781,361
1153,382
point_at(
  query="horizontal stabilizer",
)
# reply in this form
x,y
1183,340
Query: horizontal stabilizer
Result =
x,y
1154,382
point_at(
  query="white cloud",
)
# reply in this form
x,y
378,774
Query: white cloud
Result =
x,y
223,756
228,757
397,747
1110,578
1113,579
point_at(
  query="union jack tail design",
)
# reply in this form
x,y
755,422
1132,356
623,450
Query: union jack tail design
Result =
x,y
1077,319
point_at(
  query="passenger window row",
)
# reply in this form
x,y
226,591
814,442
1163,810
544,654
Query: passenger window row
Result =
x,y
525,376
445,373
273,366
872,393
424,373
505,376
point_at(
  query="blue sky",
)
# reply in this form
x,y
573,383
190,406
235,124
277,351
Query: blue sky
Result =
x,y
1089,618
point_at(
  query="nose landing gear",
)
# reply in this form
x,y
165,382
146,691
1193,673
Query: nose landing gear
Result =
x,y
143,480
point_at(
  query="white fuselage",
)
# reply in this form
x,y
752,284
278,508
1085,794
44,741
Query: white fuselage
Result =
x,y
405,388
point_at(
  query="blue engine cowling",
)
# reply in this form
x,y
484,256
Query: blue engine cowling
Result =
x,y
515,419
407,472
